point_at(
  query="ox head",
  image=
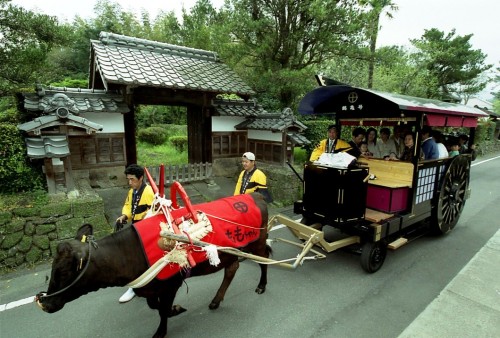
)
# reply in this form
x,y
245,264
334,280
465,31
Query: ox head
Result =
x,y
67,266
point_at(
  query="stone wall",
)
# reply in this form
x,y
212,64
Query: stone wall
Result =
x,y
284,186
30,235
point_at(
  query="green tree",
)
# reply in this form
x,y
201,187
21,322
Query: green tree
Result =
x,y
166,28
198,25
450,59
277,42
496,91
26,39
398,71
377,7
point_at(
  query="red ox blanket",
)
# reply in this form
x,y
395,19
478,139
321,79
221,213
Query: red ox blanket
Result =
x,y
236,222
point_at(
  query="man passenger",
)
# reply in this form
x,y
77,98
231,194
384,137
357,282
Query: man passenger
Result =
x,y
332,144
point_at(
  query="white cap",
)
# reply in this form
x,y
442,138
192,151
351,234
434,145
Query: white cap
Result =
x,y
249,156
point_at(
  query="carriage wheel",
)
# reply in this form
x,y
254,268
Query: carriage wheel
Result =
x,y
451,199
373,256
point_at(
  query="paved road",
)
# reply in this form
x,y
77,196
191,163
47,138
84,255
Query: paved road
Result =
x,y
329,298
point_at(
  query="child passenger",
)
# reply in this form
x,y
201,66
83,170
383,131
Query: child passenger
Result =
x,y
364,149
454,149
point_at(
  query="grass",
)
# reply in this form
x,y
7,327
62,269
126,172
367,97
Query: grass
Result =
x,y
149,155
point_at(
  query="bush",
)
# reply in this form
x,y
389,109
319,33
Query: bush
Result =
x,y
152,135
300,155
173,129
485,130
179,142
17,173
148,115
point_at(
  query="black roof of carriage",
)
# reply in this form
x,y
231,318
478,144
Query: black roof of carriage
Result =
x,y
350,102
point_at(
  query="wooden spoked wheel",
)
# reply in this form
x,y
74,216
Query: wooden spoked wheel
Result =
x,y
452,196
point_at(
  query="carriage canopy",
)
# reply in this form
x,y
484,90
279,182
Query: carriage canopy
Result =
x,y
351,103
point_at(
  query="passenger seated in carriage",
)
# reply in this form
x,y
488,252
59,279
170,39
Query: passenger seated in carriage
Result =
x,y
331,144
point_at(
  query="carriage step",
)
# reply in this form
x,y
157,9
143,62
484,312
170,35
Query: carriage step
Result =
x,y
397,243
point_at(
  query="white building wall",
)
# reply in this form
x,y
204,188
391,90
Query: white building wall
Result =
x,y
225,123
111,122
264,135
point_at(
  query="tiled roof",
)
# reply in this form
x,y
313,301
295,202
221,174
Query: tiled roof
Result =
x,y
277,123
298,138
237,108
273,122
76,100
58,119
132,61
47,147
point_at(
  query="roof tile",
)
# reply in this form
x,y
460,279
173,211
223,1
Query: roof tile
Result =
x,y
77,100
119,57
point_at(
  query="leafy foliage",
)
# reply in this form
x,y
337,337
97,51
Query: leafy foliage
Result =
x,y
179,142
451,61
26,39
276,41
152,135
14,169
153,115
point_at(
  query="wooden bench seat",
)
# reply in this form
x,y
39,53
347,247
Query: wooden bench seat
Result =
x,y
392,174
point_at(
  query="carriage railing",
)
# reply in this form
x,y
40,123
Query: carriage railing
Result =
x,y
430,174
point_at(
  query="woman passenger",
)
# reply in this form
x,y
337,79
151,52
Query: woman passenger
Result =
x,y
371,140
409,149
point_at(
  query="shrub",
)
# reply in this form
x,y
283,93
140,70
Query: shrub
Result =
x,y
15,169
484,131
172,129
179,142
152,135
300,155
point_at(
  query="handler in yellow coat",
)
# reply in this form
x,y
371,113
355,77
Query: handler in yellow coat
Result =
x,y
332,144
139,199
252,179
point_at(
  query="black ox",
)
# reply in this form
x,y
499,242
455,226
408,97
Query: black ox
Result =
x,y
115,260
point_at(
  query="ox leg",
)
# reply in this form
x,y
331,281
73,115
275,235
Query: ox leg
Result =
x,y
261,288
154,303
165,308
229,272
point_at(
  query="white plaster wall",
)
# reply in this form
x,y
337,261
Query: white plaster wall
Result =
x,y
111,122
225,123
264,135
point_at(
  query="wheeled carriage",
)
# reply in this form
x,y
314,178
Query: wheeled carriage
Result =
x,y
381,204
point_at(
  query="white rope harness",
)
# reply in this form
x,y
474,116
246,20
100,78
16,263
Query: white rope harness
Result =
x,y
177,253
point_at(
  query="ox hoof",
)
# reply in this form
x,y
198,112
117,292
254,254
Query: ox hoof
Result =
x,y
213,305
176,310
260,290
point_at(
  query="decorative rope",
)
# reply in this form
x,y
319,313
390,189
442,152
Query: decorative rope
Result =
x,y
243,225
